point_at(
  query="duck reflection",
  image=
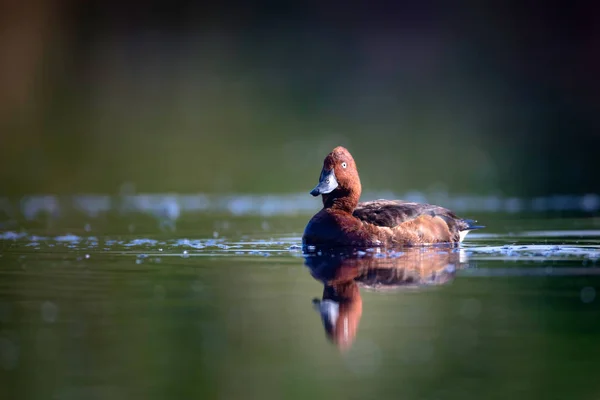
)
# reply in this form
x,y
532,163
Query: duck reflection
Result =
x,y
343,273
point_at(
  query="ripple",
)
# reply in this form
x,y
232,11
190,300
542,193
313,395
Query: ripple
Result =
x,y
267,245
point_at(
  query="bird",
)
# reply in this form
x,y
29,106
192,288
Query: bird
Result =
x,y
344,221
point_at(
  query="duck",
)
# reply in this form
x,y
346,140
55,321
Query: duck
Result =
x,y
344,221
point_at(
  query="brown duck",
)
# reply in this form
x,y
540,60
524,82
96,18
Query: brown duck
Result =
x,y
344,221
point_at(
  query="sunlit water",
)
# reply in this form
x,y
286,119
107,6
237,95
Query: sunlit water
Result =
x,y
236,309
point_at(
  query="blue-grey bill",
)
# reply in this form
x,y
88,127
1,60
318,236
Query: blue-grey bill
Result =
x,y
327,183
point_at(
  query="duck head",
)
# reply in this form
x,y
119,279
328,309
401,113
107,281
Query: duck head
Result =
x,y
339,183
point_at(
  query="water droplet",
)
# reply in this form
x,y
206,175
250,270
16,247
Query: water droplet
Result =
x,y
87,256
185,254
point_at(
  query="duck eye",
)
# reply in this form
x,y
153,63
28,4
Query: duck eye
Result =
x,y
344,165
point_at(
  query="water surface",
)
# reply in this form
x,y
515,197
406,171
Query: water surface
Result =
x,y
235,309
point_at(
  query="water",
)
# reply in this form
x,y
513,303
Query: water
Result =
x,y
234,309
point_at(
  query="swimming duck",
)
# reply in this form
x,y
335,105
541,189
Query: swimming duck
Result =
x,y
343,221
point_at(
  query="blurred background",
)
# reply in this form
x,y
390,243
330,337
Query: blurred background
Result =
x,y
193,97
227,109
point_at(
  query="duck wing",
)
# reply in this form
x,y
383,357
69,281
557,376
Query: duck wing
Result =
x,y
391,213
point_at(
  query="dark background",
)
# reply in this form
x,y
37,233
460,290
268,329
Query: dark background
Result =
x,y
468,97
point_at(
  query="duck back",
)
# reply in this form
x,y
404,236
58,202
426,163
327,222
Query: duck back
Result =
x,y
395,213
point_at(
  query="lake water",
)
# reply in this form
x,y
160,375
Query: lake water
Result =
x,y
231,307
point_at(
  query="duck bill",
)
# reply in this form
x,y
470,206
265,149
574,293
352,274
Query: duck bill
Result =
x,y
327,183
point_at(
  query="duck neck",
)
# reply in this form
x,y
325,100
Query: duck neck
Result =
x,y
342,292
343,200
